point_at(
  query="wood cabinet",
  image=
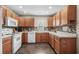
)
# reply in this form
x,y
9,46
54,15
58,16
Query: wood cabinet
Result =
x,y
51,40
50,21
25,22
8,13
58,19
65,45
7,45
44,37
24,38
20,21
41,37
54,21
29,22
38,37
64,16
68,15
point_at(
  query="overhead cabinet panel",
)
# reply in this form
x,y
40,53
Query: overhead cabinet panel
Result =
x,y
68,15
58,19
50,21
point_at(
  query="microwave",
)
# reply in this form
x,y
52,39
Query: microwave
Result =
x,y
11,22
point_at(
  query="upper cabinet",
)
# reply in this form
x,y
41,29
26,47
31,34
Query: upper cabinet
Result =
x,y
54,21
29,22
58,19
21,22
8,13
25,22
68,15
50,21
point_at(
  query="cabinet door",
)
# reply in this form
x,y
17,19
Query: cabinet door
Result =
x,y
44,37
72,14
58,19
24,38
20,21
64,20
8,13
57,45
54,20
38,37
68,45
29,22
50,22
7,46
51,41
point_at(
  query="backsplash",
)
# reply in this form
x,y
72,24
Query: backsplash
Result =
x,y
6,31
71,29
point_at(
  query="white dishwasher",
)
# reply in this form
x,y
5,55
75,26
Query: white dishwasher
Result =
x,y
31,37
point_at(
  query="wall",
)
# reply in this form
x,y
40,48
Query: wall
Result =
x,y
0,30
77,28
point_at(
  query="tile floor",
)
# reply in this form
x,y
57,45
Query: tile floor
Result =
x,y
39,48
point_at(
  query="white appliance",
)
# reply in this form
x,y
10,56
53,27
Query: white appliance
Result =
x,y
11,22
16,42
31,37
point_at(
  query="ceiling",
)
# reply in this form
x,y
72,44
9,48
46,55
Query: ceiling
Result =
x,y
24,10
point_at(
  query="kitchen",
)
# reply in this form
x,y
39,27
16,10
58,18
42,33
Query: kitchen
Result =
x,y
50,27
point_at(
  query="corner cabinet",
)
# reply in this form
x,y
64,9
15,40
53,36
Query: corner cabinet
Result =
x,y
51,40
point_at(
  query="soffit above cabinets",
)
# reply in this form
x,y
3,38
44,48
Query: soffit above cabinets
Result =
x,y
24,10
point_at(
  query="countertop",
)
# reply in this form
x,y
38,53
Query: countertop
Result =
x,y
58,33
63,34
4,36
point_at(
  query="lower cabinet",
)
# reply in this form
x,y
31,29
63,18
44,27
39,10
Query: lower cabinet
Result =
x,y
51,40
7,45
24,38
65,45
41,37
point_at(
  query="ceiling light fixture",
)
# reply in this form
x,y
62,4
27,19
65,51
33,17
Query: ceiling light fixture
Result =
x,y
50,7
24,12
20,6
